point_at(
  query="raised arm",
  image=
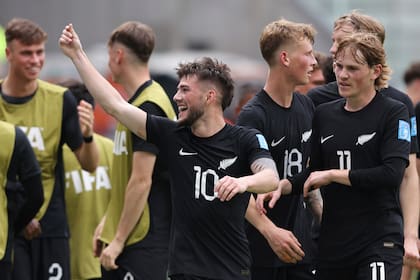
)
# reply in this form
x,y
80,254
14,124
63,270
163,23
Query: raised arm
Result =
x,y
103,92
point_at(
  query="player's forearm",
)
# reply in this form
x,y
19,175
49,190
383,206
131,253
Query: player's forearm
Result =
x,y
316,204
409,198
134,203
265,177
108,97
263,181
89,156
260,222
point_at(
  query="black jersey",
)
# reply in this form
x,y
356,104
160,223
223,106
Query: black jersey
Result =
x,y
329,92
417,113
208,236
288,132
362,215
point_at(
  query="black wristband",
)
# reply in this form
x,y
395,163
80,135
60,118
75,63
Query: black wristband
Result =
x,y
88,139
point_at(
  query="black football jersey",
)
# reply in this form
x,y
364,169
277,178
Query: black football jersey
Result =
x,y
288,132
208,236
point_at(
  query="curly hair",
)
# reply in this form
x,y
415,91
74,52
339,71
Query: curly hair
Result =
x,y
212,70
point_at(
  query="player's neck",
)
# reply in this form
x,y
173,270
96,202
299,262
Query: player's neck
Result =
x,y
357,103
12,86
208,125
280,89
133,79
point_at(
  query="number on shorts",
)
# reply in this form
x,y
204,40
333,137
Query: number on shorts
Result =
x,y
55,271
378,270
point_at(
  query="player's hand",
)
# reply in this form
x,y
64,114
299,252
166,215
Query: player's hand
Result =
x,y
110,254
285,245
227,187
69,41
411,252
96,242
86,118
271,197
316,180
32,229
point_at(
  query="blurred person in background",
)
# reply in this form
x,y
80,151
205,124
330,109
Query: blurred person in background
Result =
x,y
19,168
87,194
48,114
133,237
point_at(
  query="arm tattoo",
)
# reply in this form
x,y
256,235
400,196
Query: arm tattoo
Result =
x,y
315,204
263,163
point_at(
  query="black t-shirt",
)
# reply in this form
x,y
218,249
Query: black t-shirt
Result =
x,y
208,236
363,215
417,113
329,92
288,132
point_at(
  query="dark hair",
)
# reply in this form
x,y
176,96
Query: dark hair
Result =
x,y
328,69
412,73
208,69
25,31
79,90
137,37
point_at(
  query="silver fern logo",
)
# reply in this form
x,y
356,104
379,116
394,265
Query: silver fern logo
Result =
x,y
306,135
226,163
362,139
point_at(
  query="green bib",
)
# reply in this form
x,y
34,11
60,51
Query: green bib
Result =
x,y
121,169
87,197
7,140
41,119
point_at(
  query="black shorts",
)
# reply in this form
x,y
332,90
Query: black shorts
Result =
x,y
5,270
187,277
383,264
41,258
137,263
295,272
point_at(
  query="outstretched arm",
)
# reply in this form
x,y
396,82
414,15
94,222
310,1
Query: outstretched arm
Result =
x,y
103,92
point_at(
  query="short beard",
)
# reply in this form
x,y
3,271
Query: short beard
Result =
x,y
193,116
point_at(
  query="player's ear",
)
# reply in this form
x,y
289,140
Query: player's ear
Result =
x,y
284,58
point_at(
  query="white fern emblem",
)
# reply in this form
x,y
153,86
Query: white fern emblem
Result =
x,y
362,139
226,163
306,135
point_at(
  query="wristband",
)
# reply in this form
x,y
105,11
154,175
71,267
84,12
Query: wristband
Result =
x,y
88,139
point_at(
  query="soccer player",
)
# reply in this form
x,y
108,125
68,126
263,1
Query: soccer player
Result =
x,y
409,190
19,171
212,165
359,152
48,114
285,119
136,226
